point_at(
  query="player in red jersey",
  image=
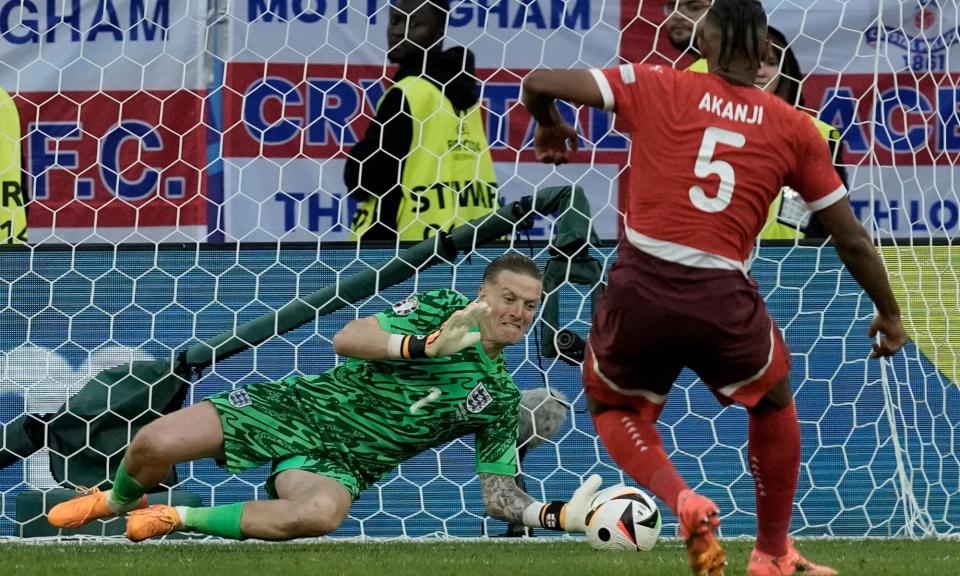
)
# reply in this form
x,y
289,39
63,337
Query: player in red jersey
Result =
x,y
709,153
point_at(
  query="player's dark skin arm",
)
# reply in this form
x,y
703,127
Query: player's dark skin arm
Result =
x,y
541,89
858,254
502,498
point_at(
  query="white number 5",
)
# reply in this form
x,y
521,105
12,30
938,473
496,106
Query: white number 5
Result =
x,y
707,166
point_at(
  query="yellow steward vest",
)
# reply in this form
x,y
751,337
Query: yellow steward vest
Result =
x,y
448,177
13,197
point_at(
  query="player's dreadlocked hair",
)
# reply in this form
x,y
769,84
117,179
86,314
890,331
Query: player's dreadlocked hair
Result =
x,y
512,262
743,25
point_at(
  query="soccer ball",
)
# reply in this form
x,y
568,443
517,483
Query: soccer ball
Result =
x,y
623,518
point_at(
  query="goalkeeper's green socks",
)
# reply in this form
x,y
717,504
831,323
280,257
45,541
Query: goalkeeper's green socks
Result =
x,y
222,521
127,493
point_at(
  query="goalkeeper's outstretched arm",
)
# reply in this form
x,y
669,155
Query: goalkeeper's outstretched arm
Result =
x,y
504,500
364,339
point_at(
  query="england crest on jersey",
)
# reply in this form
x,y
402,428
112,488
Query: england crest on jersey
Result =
x,y
406,306
478,399
239,398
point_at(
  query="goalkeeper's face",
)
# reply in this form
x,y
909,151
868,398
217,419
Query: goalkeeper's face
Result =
x,y
513,300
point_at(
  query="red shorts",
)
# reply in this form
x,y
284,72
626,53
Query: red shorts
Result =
x,y
657,317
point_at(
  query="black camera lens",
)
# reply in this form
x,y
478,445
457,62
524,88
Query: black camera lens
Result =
x,y
570,346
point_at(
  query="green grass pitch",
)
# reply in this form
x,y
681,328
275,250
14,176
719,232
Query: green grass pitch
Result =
x,y
563,558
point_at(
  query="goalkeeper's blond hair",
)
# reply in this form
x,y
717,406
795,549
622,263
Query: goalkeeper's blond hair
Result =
x,y
512,262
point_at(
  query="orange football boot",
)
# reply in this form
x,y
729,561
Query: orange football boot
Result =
x,y
84,509
763,564
698,520
152,521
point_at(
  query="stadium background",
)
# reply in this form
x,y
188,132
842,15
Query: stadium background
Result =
x,y
152,125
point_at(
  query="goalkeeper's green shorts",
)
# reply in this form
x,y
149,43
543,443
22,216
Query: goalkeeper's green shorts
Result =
x,y
265,423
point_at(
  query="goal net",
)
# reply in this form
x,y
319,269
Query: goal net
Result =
x,y
183,173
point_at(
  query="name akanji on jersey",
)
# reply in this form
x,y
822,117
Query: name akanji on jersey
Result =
x,y
706,160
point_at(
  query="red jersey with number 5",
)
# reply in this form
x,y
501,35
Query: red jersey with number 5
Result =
x,y
707,158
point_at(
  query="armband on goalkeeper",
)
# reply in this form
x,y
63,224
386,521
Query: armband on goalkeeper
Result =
x,y
551,516
401,347
452,337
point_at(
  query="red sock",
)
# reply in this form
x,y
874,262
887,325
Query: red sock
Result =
x,y
774,448
634,444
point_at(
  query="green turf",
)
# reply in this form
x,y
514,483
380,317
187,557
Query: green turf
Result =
x,y
573,558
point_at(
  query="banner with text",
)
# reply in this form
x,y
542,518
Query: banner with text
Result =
x,y
110,96
303,79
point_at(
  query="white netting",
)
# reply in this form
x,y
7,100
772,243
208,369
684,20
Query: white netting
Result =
x,y
156,133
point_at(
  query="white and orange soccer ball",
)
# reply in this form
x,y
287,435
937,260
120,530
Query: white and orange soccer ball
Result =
x,y
623,518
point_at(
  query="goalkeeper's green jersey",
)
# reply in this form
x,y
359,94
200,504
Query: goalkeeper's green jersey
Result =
x,y
384,412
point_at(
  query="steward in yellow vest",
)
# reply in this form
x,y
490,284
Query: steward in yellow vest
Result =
x,y
13,194
424,163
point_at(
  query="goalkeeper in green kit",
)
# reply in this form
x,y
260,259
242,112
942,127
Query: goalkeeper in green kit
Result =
x,y
421,373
